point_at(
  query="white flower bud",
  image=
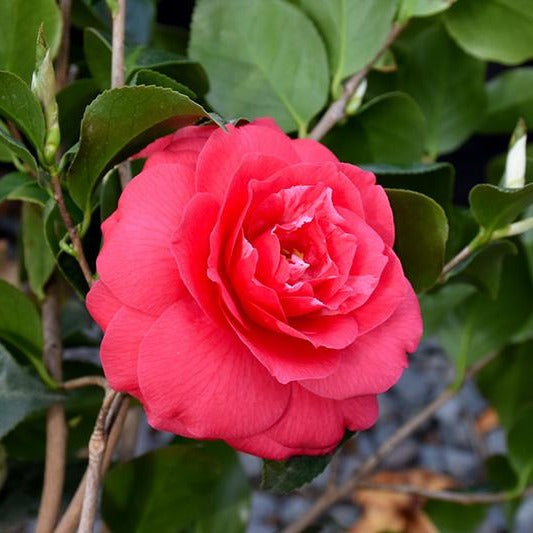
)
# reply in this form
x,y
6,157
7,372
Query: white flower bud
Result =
x,y
515,165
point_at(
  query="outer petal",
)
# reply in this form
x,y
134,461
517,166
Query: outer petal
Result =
x,y
224,151
311,151
375,361
101,304
360,413
120,347
203,377
136,262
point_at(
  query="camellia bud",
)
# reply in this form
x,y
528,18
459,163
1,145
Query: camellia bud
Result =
x,y
43,85
515,165
354,103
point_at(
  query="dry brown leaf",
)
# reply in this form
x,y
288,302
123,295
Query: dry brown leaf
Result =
x,y
8,267
391,511
487,421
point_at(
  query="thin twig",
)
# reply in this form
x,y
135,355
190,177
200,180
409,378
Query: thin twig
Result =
x,y
334,494
72,231
62,61
85,381
464,498
56,427
71,518
337,110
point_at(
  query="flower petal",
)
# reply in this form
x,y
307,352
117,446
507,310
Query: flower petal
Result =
x,y
202,376
101,304
311,151
360,413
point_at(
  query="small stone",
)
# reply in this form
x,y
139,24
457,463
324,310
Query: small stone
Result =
x,y
524,517
450,412
263,508
494,522
344,514
432,457
471,399
412,389
462,465
496,442
293,508
251,464
403,455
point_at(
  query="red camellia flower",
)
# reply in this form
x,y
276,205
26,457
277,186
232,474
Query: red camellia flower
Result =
x,y
249,292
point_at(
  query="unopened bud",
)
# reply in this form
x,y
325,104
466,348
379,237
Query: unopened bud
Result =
x,y
354,103
515,165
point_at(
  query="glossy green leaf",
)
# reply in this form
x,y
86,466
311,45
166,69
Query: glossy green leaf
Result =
x,y
170,38
118,124
510,96
72,102
98,56
151,77
175,488
353,30
20,186
500,473
435,180
19,104
285,77
512,370
421,234
449,517
423,8
109,194
389,129
17,149
496,208
495,30
20,393
19,25
181,69
484,267
519,441
38,259
446,83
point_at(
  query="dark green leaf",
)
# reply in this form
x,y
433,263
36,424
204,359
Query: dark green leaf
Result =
x,y
17,149
109,194
435,181
495,30
500,473
20,393
18,104
98,56
233,40
446,83
176,487
425,8
519,442
119,123
72,101
38,258
19,25
353,30
20,186
451,517
151,77
20,325
421,234
496,208
170,38
510,96
389,129
484,267
183,70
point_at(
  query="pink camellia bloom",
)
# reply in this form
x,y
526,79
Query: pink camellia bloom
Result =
x,y
249,292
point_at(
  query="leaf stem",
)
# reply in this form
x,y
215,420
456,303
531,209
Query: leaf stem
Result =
x,y
337,110
62,61
516,228
334,494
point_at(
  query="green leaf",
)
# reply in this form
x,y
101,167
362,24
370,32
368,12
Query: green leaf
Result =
x,y
446,83
435,180
484,267
170,38
389,129
20,186
179,68
38,260
176,487
20,393
495,30
510,96
421,234
283,477
496,208
98,56
151,77
19,104
19,25
500,473
118,124
424,8
109,194
449,517
512,371
353,30
17,149
20,324
519,443
274,52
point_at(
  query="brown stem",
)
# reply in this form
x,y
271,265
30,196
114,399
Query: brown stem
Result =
x,y
337,110
73,233
334,494
62,61
86,381
70,520
56,428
